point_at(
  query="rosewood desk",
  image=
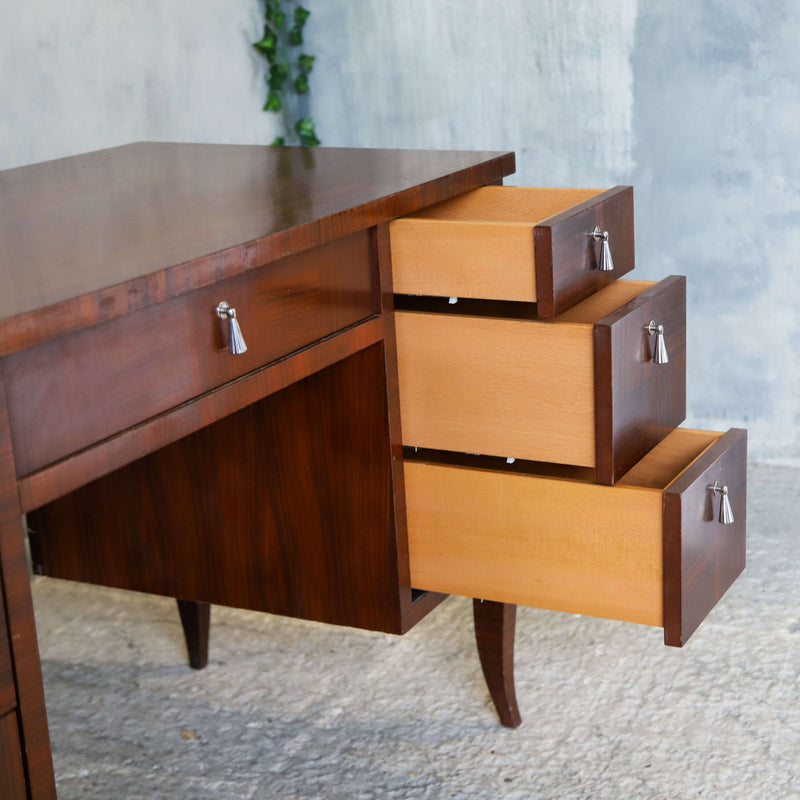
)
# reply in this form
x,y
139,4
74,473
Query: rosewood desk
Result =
x,y
212,357
113,355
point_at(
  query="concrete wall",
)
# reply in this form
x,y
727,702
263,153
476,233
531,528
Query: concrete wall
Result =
x,y
87,74
694,102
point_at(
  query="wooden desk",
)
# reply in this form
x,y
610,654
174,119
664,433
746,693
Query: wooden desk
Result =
x,y
272,478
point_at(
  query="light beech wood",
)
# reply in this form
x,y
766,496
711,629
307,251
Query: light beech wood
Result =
x,y
669,458
500,387
479,244
528,204
604,302
531,539
504,387
535,541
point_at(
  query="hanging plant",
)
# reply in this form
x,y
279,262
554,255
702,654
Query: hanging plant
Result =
x,y
287,74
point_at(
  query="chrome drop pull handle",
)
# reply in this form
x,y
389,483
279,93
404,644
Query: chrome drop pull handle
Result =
x,y
660,355
606,262
236,343
725,510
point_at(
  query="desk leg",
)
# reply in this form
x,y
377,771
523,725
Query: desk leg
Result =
x,y
196,620
495,625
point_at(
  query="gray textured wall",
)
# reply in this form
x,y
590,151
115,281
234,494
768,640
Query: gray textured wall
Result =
x,y
694,102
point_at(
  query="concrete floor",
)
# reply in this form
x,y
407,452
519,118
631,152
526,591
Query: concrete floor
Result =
x,y
290,709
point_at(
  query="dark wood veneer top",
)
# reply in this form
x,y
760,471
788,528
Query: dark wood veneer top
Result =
x,y
95,236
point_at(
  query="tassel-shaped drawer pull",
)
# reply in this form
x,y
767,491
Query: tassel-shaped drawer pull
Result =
x,y
725,510
659,351
236,343
606,262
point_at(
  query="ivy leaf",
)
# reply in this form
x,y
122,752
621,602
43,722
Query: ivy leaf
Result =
x,y
301,83
273,8
280,18
273,102
305,130
295,35
267,45
277,76
305,63
301,15
279,142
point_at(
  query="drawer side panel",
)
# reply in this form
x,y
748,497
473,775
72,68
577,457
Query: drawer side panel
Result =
x,y
497,387
534,541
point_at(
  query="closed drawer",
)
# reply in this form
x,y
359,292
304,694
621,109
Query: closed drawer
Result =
x,y
581,389
71,392
515,243
649,550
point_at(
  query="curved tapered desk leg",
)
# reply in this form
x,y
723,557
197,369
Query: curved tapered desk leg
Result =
x,y
495,624
196,620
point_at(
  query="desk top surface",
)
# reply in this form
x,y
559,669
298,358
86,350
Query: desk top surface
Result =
x,y
91,237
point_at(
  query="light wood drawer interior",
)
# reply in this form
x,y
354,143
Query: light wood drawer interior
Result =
x,y
514,243
547,390
649,550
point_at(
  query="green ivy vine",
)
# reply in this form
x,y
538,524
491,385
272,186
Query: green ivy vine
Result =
x,y
287,75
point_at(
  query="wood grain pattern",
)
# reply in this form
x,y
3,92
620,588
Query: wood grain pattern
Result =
x,y
638,402
8,693
12,773
410,611
63,477
703,557
93,237
497,387
478,245
495,627
33,734
71,392
285,507
536,541
563,241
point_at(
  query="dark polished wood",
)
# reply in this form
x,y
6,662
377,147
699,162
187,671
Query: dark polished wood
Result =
x,y
294,519
703,557
638,402
105,260
12,773
196,620
32,735
62,477
411,613
563,241
141,365
495,627
8,694
94,237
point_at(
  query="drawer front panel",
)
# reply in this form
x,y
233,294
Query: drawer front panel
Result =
x,y
514,243
138,366
701,557
580,390
579,547
638,402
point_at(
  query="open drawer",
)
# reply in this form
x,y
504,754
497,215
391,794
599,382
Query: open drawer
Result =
x,y
651,549
516,243
582,389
